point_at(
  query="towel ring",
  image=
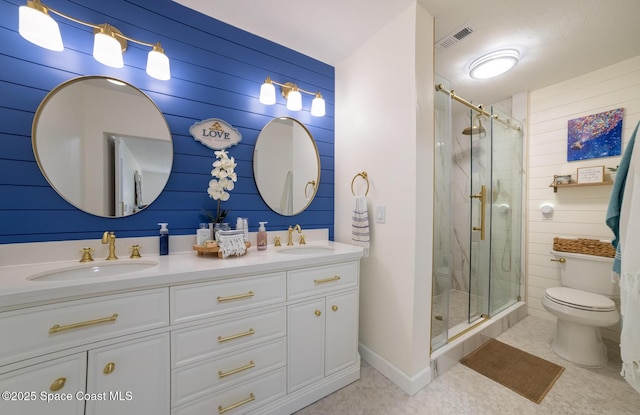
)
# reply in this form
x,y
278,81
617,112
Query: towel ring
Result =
x,y
365,177
313,186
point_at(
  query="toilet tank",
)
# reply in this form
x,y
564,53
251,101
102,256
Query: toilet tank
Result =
x,y
587,273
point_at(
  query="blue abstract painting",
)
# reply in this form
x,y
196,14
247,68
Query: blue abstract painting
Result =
x,y
595,136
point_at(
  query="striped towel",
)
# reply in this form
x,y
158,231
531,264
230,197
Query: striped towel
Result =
x,y
231,242
360,224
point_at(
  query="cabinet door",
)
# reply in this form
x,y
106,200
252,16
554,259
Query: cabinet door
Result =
x,y
305,339
341,331
130,378
47,388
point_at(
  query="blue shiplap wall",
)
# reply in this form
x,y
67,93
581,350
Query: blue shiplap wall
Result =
x,y
217,71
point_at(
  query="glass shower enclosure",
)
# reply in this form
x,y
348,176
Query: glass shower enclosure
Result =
x,y
477,216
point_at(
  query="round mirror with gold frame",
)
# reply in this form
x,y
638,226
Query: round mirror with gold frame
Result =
x,y
103,145
286,166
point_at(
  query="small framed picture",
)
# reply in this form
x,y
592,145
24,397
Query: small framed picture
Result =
x,y
591,174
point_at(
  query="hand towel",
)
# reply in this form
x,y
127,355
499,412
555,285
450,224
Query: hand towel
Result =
x,y
231,242
615,202
628,223
286,200
360,224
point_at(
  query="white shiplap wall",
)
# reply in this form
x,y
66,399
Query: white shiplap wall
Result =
x,y
580,211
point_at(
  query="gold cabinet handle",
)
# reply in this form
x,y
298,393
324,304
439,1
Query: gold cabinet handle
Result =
x,y
560,260
325,280
318,313
482,196
222,374
236,336
222,410
235,297
109,368
57,328
58,384
334,307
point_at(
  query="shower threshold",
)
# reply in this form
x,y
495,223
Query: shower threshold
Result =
x,y
470,338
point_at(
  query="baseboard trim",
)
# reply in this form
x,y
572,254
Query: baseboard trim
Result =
x,y
410,384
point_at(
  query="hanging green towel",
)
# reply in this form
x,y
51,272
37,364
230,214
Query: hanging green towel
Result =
x,y
615,202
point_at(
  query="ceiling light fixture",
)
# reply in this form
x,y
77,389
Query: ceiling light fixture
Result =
x,y
292,94
38,27
493,64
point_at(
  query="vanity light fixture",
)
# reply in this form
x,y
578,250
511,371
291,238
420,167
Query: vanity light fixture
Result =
x,y
38,27
293,95
494,63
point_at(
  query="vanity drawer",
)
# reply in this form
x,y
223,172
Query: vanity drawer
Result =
x,y
191,382
37,330
318,280
242,398
200,342
197,301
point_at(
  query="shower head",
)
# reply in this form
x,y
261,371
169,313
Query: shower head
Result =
x,y
477,128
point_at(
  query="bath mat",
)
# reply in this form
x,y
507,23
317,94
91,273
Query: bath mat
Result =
x,y
522,372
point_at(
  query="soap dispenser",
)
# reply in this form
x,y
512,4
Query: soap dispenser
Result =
x,y
262,237
164,239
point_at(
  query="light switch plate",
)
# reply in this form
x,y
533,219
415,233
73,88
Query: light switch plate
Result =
x,y
381,214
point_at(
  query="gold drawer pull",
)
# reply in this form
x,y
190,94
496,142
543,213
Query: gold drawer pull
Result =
x,y
318,313
322,281
222,410
222,374
334,307
236,336
109,368
57,327
235,297
58,384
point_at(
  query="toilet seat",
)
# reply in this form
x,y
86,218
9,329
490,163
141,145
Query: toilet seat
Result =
x,y
580,300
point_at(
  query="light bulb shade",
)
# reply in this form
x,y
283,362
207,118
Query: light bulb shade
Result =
x,y
317,106
36,26
158,64
294,100
268,93
494,64
107,50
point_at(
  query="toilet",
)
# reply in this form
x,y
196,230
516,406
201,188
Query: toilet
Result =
x,y
582,305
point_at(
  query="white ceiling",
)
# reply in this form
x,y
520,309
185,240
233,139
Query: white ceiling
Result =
x,y
557,39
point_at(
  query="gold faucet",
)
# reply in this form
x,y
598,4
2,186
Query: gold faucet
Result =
x,y
290,234
110,238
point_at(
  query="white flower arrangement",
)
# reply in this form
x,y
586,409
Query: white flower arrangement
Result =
x,y
223,180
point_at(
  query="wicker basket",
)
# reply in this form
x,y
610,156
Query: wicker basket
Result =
x,y
584,246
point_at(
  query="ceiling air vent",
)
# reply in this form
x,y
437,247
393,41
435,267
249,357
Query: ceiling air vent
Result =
x,y
455,36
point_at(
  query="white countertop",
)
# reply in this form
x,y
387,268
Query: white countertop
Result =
x,y
16,290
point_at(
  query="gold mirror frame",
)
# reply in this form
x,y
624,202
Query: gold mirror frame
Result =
x,y
286,166
78,129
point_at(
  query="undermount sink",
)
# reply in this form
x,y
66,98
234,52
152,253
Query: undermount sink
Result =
x,y
306,250
83,271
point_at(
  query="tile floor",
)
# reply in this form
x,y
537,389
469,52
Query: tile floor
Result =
x,y
460,390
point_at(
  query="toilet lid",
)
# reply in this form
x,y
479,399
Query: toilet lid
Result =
x,y
579,299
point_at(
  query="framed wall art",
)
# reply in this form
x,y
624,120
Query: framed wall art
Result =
x,y
595,136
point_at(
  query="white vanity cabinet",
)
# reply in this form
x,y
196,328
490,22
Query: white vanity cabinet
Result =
x,y
129,378
267,334
113,367
323,327
231,356
27,390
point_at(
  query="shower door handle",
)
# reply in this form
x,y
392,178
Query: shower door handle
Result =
x,y
482,196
